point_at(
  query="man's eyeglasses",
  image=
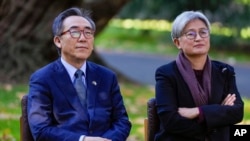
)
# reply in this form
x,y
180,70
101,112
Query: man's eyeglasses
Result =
x,y
88,33
204,33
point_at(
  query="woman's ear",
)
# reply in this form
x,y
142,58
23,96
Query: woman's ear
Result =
x,y
177,43
57,41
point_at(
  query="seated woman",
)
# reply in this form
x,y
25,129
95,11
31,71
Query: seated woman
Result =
x,y
196,98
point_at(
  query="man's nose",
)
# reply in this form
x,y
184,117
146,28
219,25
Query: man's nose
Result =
x,y
82,36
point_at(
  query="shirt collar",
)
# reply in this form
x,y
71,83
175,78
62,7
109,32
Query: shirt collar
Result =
x,y
71,69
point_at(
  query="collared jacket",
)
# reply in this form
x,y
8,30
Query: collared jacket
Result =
x,y
173,92
56,114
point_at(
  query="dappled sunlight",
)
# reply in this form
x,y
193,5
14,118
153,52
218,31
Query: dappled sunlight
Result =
x,y
127,92
6,136
158,25
139,120
245,2
20,95
218,29
135,99
164,25
245,33
8,116
133,108
7,87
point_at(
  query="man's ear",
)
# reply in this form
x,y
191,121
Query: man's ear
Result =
x,y
57,41
177,43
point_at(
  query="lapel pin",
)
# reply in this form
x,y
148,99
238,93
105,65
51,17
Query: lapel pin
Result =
x,y
224,69
94,83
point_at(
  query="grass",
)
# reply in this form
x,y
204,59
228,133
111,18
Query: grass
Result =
x,y
10,111
135,99
132,40
135,95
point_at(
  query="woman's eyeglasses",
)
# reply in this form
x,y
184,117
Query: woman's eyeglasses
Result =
x,y
203,33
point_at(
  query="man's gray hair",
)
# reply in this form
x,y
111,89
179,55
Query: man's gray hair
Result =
x,y
58,22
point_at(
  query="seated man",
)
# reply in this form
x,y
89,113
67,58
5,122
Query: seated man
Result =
x,y
72,99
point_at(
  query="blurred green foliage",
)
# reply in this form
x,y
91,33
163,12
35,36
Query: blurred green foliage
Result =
x,y
228,12
127,35
227,16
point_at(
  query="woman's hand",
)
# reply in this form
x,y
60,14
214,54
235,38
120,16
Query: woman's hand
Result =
x,y
192,113
189,113
229,100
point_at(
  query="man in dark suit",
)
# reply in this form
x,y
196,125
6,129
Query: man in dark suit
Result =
x,y
64,106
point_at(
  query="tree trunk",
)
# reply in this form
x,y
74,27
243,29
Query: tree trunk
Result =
x,y
26,38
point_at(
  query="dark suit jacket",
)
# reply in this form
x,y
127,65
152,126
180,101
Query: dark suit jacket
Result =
x,y
55,112
172,92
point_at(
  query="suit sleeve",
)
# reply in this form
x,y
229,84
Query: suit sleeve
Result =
x,y
121,125
225,115
168,99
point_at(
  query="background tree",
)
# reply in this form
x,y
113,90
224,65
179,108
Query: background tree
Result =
x,y
26,37
168,9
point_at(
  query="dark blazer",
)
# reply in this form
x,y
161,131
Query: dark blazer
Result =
x,y
172,92
56,114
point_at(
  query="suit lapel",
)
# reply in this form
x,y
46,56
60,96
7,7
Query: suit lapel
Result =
x,y
217,86
64,83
